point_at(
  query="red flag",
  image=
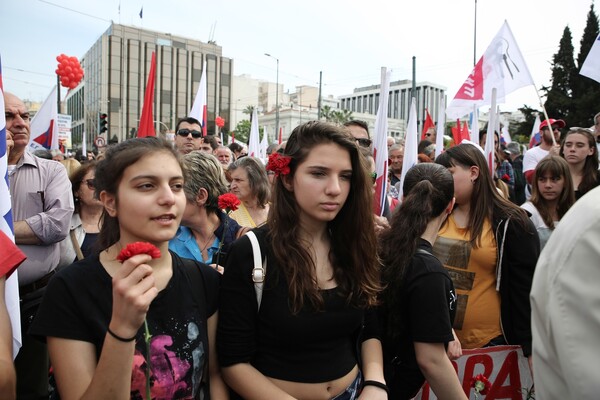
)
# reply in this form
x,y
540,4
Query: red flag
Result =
x,y
465,132
428,124
146,127
456,133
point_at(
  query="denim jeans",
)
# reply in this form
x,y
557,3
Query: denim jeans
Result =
x,y
352,391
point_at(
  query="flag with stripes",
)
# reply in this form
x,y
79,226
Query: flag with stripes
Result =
x,y
11,293
380,150
199,109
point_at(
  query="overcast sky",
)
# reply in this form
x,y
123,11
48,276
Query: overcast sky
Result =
x,y
346,39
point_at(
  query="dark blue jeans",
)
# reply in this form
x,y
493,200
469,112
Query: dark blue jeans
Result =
x,y
352,391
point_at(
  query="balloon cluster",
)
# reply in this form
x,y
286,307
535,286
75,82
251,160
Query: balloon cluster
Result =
x,y
220,122
69,70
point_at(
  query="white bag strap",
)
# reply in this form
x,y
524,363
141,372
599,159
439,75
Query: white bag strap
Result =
x,y
260,268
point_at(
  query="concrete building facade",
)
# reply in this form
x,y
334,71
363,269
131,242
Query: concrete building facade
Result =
x,y
116,73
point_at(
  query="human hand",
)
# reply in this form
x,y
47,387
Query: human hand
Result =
x,y
381,223
555,150
133,291
219,268
454,348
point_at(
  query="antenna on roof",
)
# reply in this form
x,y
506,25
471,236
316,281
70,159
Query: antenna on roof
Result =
x,y
211,35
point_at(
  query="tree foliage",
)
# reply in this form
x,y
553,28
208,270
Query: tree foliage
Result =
x,y
586,91
242,131
571,96
336,116
558,101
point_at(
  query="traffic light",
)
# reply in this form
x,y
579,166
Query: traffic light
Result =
x,y
102,123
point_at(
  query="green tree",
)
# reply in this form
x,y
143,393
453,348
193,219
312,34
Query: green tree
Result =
x,y
586,92
242,131
336,116
521,131
326,113
559,101
248,110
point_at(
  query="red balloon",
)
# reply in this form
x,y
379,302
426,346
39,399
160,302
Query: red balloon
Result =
x,y
57,71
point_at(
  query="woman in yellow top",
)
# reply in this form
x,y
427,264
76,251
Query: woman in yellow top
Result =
x,y
249,182
489,247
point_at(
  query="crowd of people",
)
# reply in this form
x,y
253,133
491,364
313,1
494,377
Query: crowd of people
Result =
x,y
300,291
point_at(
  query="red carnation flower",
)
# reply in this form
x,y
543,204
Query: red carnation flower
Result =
x,y
279,164
481,384
133,249
229,202
506,178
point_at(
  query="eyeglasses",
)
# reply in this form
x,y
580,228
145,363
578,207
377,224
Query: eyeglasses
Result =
x,y
363,142
186,132
90,183
374,176
577,128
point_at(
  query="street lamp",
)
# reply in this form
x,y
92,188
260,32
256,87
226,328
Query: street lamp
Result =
x,y
276,97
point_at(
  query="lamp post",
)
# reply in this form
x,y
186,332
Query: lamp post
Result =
x,y
276,96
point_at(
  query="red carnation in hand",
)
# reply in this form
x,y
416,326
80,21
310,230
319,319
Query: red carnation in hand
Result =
x,y
133,249
506,178
279,164
481,384
229,202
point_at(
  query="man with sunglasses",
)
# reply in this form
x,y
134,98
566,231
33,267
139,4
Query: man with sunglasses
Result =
x,y
548,128
360,130
42,206
188,135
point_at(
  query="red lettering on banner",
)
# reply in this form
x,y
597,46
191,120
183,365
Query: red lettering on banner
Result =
x,y
472,89
512,388
469,372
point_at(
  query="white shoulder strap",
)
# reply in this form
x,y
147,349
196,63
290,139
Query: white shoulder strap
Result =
x,y
260,268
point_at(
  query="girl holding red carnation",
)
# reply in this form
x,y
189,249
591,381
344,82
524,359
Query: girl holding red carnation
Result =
x,y
94,312
321,281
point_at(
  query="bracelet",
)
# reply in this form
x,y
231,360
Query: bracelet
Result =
x,y
377,384
119,338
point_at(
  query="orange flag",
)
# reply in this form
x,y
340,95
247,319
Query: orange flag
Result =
x,y
146,127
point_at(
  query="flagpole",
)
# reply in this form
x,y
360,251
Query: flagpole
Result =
x,y
475,37
545,114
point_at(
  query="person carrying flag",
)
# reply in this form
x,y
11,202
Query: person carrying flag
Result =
x,y
42,206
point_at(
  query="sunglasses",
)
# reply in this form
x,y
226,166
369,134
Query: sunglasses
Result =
x,y
364,142
186,132
90,183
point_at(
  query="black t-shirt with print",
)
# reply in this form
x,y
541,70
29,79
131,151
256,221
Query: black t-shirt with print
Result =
x,y
78,305
429,303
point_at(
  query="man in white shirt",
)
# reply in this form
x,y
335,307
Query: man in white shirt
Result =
x,y
534,155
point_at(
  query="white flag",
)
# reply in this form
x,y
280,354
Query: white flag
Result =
x,y
264,144
591,65
43,128
380,150
502,66
535,136
411,145
441,125
490,146
199,107
254,140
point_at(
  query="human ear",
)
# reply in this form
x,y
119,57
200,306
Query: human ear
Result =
x,y
288,183
110,203
201,197
474,172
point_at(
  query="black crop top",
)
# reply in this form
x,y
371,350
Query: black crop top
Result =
x,y
309,347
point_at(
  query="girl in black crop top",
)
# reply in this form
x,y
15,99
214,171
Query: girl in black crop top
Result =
x,y
321,281
419,298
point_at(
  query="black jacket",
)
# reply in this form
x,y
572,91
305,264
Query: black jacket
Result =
x,y
518,252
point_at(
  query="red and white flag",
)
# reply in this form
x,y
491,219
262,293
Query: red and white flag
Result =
x,y
146,127
428,124
254,139
9,253
199,109
380,150
535,136
591,65
502,66
43,128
